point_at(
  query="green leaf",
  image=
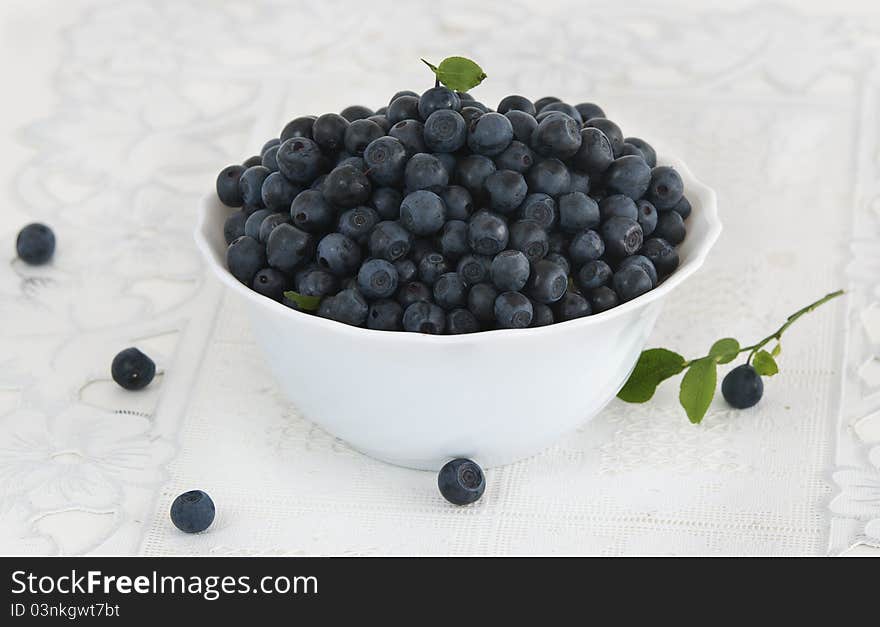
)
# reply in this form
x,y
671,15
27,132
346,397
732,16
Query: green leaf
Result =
x,y
654,365
724,350
776,350
764,364
698,388
458,73
303,302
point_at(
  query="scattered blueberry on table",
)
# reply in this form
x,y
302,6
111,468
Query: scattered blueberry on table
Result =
x,y
35,244
193,511
543,208
461,481
132,369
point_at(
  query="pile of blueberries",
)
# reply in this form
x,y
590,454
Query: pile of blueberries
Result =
x,y
436,214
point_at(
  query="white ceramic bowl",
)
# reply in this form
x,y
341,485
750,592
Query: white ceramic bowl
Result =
x,y
419,400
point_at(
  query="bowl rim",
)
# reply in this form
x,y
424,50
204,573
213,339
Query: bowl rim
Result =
x,y
693,186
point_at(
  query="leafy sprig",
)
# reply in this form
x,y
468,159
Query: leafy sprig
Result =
x,y
457,73
697,390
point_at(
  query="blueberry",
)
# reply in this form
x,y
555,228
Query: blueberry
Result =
x,y
377,278
506,190
683,208
516,103
346,187
644,263
227,185
269,159
547,283
618,205
298,127
565,108
356,112
631,281
460,321
542,314
472,172
474,269
251,185
35,243
586,246
593,274
424,171
450,291
385,315
277,192
595,154
670,226
559,260
403,92
509,271
577,212
405,107
359,134
437,98
337,253
647,151
490,134
629,176
481,301
453,240
474,104
622,236
423,317
299,159
431,267
580,182
557,136
629,149
411,134
316,282
357,223
132,370
252,161
329,132
540,103
422,212
517,157
406,270
459,203
487,233
523,124
386,201
356,162
742,387
288,247
530,238
233,227
588,110
666,188
572,306
270,143
311,212
611,131
539,207
445,131
382,122
447,160
647,216
389,240
549,176
603,298
348,306
469,114
245,257
385,159
192,512
414,292
662,254
461,482
513,310
270,283
252,226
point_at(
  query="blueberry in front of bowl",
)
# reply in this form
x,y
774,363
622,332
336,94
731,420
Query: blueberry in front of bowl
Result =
x,y
193,511
35,244
742,387
461,481
132,369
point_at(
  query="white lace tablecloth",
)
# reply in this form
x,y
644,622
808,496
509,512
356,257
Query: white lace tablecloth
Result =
x,y
133,107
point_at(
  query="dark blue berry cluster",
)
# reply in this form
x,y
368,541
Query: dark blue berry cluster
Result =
x,y
436,214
